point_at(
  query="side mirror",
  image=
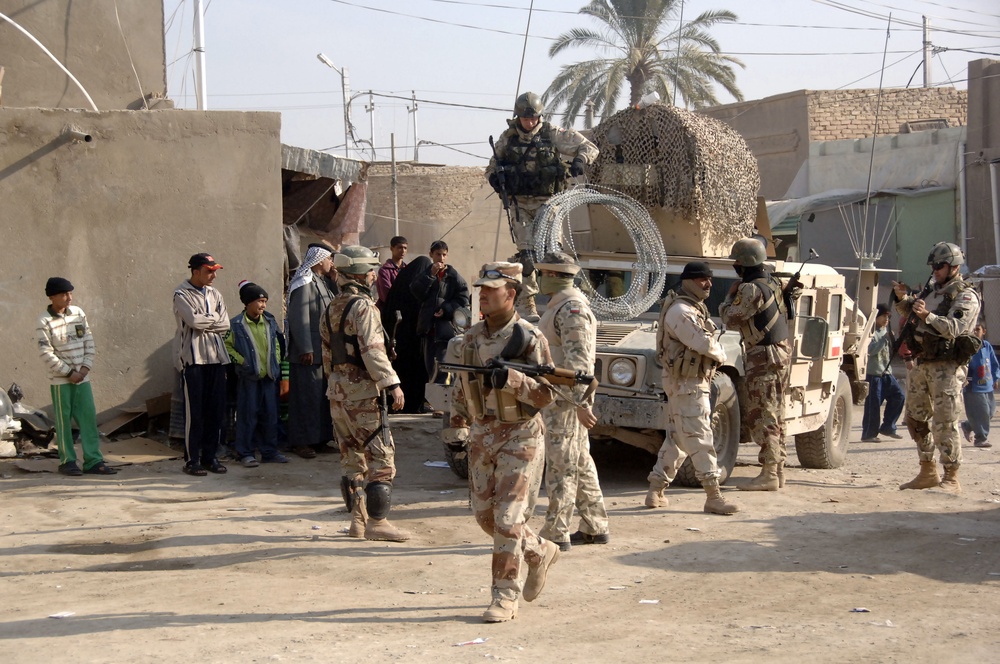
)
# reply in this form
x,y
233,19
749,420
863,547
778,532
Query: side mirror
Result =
x,y
815,332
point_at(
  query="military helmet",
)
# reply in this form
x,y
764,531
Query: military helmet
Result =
x,y
354,259
558,261
529,105
748,252
946,252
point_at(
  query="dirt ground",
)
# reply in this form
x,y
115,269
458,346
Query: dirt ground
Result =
x,y
254,566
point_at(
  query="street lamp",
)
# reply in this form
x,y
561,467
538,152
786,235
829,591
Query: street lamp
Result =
x,y
345,85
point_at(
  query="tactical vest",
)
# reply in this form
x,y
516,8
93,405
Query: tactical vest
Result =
x,y
533,167
547,326
678,360
932,347
769,326
484,401
339,341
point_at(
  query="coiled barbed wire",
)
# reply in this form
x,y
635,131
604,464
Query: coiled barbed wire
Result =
x,y
552,232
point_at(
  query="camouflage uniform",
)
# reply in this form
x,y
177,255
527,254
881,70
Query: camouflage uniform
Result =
x,y
686,324
934,386
504,456
534,172
354,387
571,476
766,367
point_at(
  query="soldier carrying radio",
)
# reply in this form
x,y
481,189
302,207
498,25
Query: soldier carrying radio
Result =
x,y
939,332
526,169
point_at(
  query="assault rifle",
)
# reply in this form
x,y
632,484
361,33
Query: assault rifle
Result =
x,y
910,326
552,374
498,169
786,293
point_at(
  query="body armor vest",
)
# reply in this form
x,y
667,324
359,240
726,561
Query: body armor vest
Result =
x,y
533,166
932,347
769,326
339,341
679,360
484,401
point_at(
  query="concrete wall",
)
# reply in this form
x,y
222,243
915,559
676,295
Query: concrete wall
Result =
x,y
432,200
85,37
119,217
982,148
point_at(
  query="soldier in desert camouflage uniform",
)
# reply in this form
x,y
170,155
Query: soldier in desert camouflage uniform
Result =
x,y
570,477
689,353
949,308
506,444
756,308
354,349
530,154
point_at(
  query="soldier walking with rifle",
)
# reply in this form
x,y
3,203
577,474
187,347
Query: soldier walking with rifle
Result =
x,y
526,169
354,348
499,407
938,330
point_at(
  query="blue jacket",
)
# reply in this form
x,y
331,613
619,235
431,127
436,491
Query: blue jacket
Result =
x,y
244,345
984,370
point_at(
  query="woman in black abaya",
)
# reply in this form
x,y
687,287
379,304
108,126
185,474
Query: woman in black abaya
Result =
x,y
409,362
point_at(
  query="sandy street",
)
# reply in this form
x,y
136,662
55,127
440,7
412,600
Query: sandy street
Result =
x,y
253,566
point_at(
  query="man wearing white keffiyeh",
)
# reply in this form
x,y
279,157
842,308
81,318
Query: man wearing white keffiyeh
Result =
x,y
309,424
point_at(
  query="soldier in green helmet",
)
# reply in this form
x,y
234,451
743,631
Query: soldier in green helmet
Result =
x,y
528,166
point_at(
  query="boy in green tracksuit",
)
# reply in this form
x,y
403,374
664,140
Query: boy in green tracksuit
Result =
x,y
67,347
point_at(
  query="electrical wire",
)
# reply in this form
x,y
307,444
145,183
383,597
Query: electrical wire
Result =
x,y
121,31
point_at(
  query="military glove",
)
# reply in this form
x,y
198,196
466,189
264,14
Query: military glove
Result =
x,y
495,182
576,168
496,378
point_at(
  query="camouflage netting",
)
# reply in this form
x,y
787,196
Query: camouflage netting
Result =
x,y
693,164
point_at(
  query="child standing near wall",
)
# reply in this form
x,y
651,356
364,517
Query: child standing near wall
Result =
x,y
252,343
980,405
67,347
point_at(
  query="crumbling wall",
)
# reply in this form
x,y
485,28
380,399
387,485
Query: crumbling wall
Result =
x,y
841,114
119,216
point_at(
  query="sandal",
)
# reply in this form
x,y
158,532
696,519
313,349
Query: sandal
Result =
x,y
215,466
195,470
100,469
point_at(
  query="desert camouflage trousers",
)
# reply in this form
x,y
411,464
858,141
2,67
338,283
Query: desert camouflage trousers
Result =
x,y
570,476
503,461
689,434
767,369
522,216
934,407
363,453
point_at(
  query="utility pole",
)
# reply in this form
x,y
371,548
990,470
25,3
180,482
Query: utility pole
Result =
x,y
395,187
345,89
927,52
371,119
201,85
588,115
416,140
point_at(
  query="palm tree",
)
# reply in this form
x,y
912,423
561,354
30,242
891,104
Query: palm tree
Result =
x,y
642,50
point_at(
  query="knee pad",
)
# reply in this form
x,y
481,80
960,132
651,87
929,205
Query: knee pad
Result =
x,y
378,496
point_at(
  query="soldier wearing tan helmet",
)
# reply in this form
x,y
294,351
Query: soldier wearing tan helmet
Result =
x,y
570,476
528,160
944,315
499,411
756,308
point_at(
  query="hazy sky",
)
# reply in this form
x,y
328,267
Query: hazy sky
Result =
x,y
261,55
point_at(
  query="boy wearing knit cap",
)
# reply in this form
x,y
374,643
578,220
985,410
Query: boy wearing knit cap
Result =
x,y
252,343
67,347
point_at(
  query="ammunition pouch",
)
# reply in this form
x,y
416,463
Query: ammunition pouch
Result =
x,y
691,364
485,401
960,349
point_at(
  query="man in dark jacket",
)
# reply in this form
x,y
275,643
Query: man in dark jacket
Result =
x,y
441,290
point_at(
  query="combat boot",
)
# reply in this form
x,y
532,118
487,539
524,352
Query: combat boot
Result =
x,y
535,580
500,610
382,530
766,481
655,496
781,474
716,504
530,311
927,478
950,481
359,518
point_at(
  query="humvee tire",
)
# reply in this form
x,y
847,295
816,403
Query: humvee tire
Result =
x,y
826,447
725,432
455,453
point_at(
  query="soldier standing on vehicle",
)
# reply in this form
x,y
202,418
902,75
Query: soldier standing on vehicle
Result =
x,y
571,476
936,327
527,166
506,436
756,308
353,343
689,353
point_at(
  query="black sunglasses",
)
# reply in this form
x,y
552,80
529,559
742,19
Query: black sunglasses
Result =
x,y
495,274
938,266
